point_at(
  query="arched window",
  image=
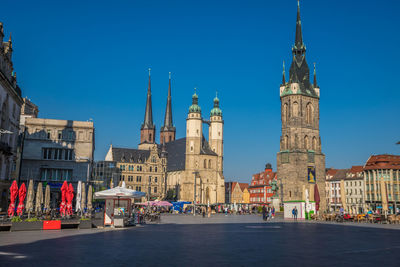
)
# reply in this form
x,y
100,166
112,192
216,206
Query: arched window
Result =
x,y
295,109
205,164
285,113
286,142
309,113
209,163
314,143
306,145
150,138
151,169
155,169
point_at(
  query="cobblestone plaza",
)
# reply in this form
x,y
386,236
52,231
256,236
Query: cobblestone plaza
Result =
x,y
184,240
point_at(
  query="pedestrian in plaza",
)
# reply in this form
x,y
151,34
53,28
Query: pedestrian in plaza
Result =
x,y
295,213
273,212
203,211
226,211
264,212
209,211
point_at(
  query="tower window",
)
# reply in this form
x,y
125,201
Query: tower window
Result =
x,y
205,164
209,163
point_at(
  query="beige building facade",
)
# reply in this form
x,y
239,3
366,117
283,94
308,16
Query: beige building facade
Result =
x,y
10,106
191,168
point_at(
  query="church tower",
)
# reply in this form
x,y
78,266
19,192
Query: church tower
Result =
x,y
300,161
167,132
216,132
194,133
148,129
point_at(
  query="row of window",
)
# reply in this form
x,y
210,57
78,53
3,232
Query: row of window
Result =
x,y
62,135
259,199
131,168
56,174
57,153
130,178
355,191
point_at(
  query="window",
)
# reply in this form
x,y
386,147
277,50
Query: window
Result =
x,y
155,169
151,169
309,113
70,135
205,164
209,163
59,136
155,179
295,109
48,136
155,189
149,179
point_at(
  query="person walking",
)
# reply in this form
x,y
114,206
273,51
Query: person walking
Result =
x,y
273,212
295,213
264,212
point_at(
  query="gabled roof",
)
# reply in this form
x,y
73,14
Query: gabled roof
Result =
x,y
243,186
356,169
130,155
176,154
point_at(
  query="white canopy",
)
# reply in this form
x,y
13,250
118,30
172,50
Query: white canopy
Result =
x,y
118,192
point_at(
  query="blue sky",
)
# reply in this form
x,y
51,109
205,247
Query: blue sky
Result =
x,y
88,59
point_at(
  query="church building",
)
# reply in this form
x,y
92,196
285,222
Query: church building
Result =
x,y
300,161
190,168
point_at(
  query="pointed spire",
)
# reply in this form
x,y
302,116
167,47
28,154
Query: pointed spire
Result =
x,y
168,124
283,74
315,77
148,116
299,36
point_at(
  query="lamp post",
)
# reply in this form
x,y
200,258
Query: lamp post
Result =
x,y
194,193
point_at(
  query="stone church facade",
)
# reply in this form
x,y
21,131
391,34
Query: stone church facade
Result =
x,y
300,161
190,167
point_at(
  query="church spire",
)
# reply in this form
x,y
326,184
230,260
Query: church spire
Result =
x,y
283,74
298,44
148,129
315,77
148,116
167,133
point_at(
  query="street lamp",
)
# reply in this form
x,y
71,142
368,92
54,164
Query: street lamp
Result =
x,y
194,193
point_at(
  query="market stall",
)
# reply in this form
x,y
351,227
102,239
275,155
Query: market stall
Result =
x,y
118,204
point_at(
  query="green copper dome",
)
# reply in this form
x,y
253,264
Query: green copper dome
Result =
x,y
195,108
216,111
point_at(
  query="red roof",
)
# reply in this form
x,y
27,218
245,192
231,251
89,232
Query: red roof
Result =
x,y
356,169
383,162
331,172
243,186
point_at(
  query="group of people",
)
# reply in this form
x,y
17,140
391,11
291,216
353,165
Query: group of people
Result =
x,y
268,213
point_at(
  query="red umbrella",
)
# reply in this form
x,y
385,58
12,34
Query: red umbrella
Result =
x,y
13,197
64,190
21,196
70,197
316,197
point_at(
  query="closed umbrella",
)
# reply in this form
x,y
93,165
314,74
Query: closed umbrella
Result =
x,y
78,197
13,197
89,199
63,205
47,199
342,194
21,196
316,197
385,206
70,197
83,201
39,199
30,197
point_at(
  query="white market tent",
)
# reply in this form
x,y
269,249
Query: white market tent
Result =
x,y
118,192
118,201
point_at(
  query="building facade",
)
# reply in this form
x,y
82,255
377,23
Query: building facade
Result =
x,y
191,168
300,161
238,193
57,150
105,175
260,188
382,181
346,190
10,106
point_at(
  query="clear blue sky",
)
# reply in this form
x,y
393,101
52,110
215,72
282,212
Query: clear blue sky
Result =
x,y
88,59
